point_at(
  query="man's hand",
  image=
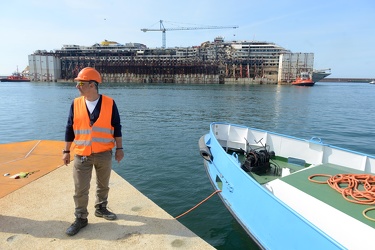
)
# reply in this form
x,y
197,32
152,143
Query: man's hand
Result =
x,y
119,154
66,158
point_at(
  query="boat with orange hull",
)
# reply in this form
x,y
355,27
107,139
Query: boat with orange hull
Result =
x,y
304,80
15,77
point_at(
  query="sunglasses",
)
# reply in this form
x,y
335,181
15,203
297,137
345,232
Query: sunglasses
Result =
x,y
81,83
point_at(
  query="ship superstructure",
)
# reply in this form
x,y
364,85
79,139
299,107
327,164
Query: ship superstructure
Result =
x,y
211,62
251,60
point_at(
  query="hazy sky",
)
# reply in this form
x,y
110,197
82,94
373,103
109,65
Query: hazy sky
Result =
x,y
341,34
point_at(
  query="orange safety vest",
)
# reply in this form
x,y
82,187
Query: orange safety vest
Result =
x,y
97,138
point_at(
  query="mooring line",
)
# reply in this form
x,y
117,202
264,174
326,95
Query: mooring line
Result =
x,y
200,203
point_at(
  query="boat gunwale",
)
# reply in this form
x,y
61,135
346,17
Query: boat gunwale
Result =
x,y
292,137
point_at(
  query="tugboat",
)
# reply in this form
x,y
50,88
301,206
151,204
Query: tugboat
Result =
x,y
304,80
15,77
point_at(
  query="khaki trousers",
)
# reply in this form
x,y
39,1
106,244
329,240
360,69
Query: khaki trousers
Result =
x,y
82,172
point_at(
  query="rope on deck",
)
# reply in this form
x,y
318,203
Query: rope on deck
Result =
x,y
200,203
349,187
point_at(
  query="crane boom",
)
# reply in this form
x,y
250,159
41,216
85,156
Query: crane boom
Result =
x,y
163,30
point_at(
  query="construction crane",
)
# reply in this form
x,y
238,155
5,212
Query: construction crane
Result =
x,y
163,30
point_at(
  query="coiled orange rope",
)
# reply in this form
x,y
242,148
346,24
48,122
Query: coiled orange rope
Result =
x,y
349,186
356,188
191,209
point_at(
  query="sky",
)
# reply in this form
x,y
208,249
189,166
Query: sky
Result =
x,y
341,34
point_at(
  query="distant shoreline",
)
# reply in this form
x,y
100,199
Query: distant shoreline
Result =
x,y
331,79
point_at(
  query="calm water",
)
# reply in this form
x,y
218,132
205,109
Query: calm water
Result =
x,y
162,125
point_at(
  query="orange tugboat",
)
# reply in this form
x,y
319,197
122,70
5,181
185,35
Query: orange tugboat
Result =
x,y
304,80
15,77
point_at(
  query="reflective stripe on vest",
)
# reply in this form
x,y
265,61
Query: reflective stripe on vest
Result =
x,y
99,137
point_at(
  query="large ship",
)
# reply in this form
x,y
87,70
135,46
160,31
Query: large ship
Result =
x,y
218,61
318,75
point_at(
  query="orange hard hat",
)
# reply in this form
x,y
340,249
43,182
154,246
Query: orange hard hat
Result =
x,y
89,74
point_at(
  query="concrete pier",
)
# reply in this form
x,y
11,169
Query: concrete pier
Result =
x,y
35,215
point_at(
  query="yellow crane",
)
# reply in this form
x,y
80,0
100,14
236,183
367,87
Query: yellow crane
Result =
x,y
163,30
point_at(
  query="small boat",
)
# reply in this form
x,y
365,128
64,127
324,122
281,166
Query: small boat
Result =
x,y
15,77
303,80
291,193
372,82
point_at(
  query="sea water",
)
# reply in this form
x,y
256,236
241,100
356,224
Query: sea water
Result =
x,y
162,124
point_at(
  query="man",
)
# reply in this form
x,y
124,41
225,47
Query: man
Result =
x,y
95,128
